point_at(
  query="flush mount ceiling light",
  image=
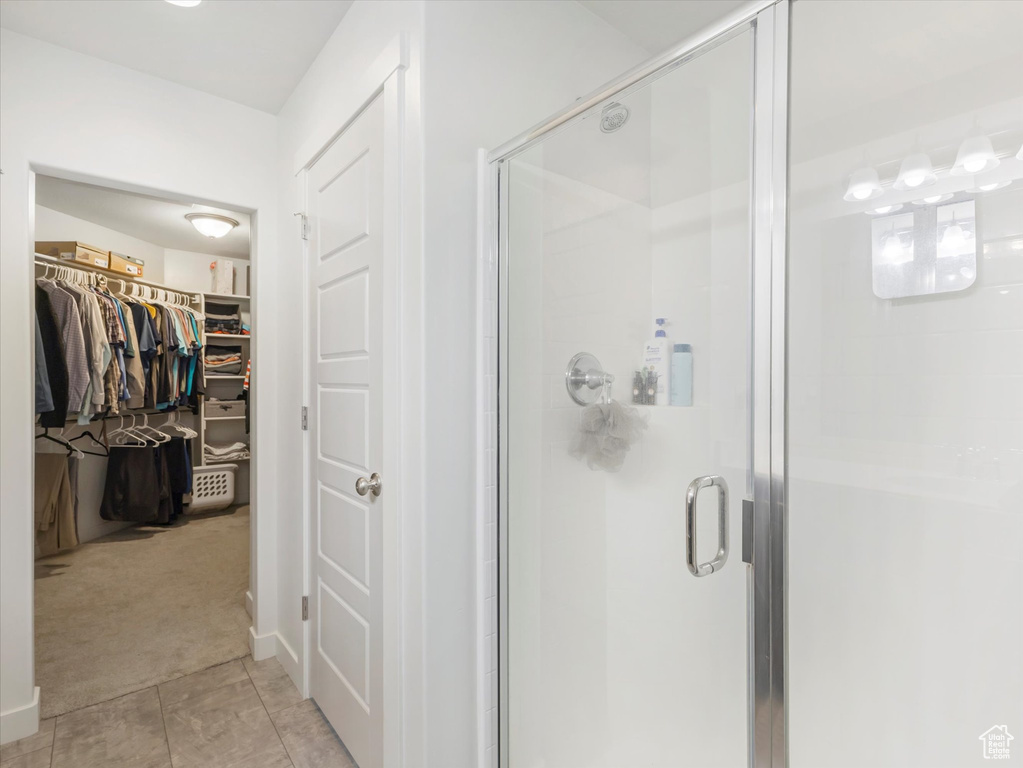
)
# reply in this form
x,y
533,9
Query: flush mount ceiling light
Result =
x,y
185,3
863,185
976,155
211,225
915,172
932,199
886,209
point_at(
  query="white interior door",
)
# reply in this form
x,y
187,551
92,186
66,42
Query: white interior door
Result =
x,y
345,198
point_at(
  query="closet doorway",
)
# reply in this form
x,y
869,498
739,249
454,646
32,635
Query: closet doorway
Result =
x,y
143,336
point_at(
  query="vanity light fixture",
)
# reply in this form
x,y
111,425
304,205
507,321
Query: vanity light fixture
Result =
x,y
932,199
211,225
915,172
976,155
993,186
864,184
185,3
885,209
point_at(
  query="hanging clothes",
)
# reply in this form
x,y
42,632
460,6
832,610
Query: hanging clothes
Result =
x,y
44,398
104,352
54,505
56,368
137,487
179,470
246,395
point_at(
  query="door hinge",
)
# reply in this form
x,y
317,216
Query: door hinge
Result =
x,y
747,531
304,226
305,417
305,609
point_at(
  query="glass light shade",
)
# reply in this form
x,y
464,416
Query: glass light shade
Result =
x,y
863,185
976,155
993,186
185,3
932,199
211,225
915,172
892,250
1019,155
954,237
885,209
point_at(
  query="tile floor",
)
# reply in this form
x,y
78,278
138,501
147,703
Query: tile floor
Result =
x,y
243,714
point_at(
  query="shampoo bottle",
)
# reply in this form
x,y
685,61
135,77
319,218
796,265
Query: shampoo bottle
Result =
x,y
657,358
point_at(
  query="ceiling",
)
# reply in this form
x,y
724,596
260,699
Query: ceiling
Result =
x,y
657,25
253,52
157,221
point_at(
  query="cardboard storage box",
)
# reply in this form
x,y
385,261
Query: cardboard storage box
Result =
x,y
74,251
126,265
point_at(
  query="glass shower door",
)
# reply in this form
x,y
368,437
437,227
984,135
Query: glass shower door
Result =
x,y
625,624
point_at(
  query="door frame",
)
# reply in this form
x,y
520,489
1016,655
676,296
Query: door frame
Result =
x,y
24,721
392,77
766,667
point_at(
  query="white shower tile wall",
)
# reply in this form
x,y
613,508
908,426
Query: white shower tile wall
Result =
x,y
581,282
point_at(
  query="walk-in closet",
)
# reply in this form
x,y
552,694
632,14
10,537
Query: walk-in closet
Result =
x,y
143,376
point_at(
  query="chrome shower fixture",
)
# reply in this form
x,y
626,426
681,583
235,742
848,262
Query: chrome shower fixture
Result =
x,y
613,117
584,376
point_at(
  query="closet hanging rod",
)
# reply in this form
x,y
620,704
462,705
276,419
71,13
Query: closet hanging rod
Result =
x,y
43,260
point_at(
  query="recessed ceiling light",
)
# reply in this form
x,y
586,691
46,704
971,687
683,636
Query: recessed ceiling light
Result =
x,y
185,3
211,225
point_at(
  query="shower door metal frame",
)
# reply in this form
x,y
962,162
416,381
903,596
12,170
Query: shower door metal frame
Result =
x,y
769,20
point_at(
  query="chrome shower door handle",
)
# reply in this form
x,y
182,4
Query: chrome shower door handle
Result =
x,y
704,569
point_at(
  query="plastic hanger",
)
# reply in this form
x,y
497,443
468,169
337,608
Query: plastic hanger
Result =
x,y
71,450
96,441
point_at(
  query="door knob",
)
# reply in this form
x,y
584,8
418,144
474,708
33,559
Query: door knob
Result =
x,y
364,486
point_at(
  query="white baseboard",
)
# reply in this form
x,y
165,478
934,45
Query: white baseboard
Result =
x,y
248,602
262,646
21,722
289,660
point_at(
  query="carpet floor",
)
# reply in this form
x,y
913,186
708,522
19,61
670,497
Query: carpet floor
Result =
x,y
140,607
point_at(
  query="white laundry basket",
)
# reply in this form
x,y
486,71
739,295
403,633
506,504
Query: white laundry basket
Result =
x,y
212,487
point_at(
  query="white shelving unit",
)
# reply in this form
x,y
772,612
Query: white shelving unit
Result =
x,y
226,387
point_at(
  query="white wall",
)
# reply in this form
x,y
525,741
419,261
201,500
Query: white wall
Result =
x,y
190,271
126,131
55,225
